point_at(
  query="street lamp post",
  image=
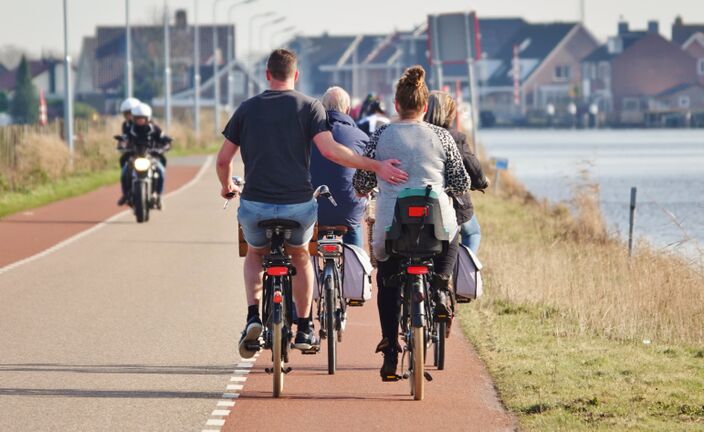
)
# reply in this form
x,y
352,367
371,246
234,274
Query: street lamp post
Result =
x,y
281,32
68,97
251,28
196,70
216,83
250,57
128,52
267,24
167,69
230,55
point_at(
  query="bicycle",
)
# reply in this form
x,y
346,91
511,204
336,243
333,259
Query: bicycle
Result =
x,y
277,298
416,243
332,307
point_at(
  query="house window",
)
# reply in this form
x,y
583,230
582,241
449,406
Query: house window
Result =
x,y
700,66
631,104
604,71
562,73
683,102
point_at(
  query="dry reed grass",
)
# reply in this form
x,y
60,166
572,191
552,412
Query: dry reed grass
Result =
x,y
43,157
542,254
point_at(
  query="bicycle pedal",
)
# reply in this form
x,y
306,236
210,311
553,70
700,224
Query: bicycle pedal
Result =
x,y
391,378
311,351
427,376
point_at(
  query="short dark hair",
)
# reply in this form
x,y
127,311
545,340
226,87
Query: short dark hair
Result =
x,y
282,64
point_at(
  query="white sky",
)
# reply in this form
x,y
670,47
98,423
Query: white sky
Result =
x,y
37,25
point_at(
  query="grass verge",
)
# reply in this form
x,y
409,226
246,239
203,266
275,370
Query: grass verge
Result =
x,y
13,202
554,377
566,335
74,185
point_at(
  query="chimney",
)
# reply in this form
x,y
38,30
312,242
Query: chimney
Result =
x,y
678,21
653,27
181,19
622,28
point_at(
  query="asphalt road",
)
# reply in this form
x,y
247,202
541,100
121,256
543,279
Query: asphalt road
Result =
x,y
133,327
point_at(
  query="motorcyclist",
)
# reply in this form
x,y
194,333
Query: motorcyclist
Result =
x,y
126,108
145,133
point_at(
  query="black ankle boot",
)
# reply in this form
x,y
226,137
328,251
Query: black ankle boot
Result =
x,y
442,298
390,351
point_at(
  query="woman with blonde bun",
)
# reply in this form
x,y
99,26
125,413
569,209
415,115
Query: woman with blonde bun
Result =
x,y
430,157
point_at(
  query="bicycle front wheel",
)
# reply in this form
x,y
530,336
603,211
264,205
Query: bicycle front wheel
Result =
x,y
278,358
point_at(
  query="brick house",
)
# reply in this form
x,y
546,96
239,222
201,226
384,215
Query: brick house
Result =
x,y
549,71
637,72
101,67
47,75
691,39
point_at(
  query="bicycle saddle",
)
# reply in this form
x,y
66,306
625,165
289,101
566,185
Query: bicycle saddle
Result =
x,y
281,223
337,229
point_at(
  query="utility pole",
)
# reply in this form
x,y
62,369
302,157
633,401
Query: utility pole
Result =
x,y
196,71
167,69
128,52
582,11
68,97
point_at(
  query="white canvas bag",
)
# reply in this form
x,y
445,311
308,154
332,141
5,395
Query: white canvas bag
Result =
x,y
467,277
356,277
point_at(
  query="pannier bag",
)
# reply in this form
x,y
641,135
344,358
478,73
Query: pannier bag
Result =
x,y
417,230
467,277
356,277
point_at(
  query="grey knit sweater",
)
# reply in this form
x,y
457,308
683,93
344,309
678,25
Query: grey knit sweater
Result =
x,y
430,157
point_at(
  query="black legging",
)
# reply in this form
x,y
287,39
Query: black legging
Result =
x,y
389,298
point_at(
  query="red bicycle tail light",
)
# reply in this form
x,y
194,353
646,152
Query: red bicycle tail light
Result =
x,y
277,271
278,298
417,270
417,211
331,248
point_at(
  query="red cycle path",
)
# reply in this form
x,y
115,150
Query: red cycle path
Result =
x,y
27,233
460,398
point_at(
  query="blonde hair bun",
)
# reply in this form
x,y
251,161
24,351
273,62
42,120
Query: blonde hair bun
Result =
x,y
414,76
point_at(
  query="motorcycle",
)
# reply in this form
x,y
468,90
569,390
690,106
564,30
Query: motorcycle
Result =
x,y
143,166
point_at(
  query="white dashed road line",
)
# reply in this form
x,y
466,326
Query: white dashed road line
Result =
x,y
232,392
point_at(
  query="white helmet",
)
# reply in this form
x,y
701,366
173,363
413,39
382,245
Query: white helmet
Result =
x,y
129,104
142,110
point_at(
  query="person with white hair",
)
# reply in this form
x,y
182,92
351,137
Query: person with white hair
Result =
x,y
350,207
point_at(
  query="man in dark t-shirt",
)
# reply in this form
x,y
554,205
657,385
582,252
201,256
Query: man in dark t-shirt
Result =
x,y
275,131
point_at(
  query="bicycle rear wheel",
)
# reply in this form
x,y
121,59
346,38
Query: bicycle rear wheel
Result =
x,y
329,291
417,354
278,358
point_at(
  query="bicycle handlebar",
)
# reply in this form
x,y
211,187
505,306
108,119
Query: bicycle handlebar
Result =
x,y
239,182
324,191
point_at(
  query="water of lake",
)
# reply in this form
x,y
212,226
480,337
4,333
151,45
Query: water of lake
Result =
x,y
667,167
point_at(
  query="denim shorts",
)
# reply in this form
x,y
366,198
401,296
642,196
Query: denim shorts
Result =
x,y
251,213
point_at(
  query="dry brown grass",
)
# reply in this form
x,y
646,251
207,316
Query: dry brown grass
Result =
x,y
547,255
42,156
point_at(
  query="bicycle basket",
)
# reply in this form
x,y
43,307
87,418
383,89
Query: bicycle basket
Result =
x,y
417,230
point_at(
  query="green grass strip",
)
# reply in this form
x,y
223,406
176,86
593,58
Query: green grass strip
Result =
x,y
79,184
554,377
13,202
